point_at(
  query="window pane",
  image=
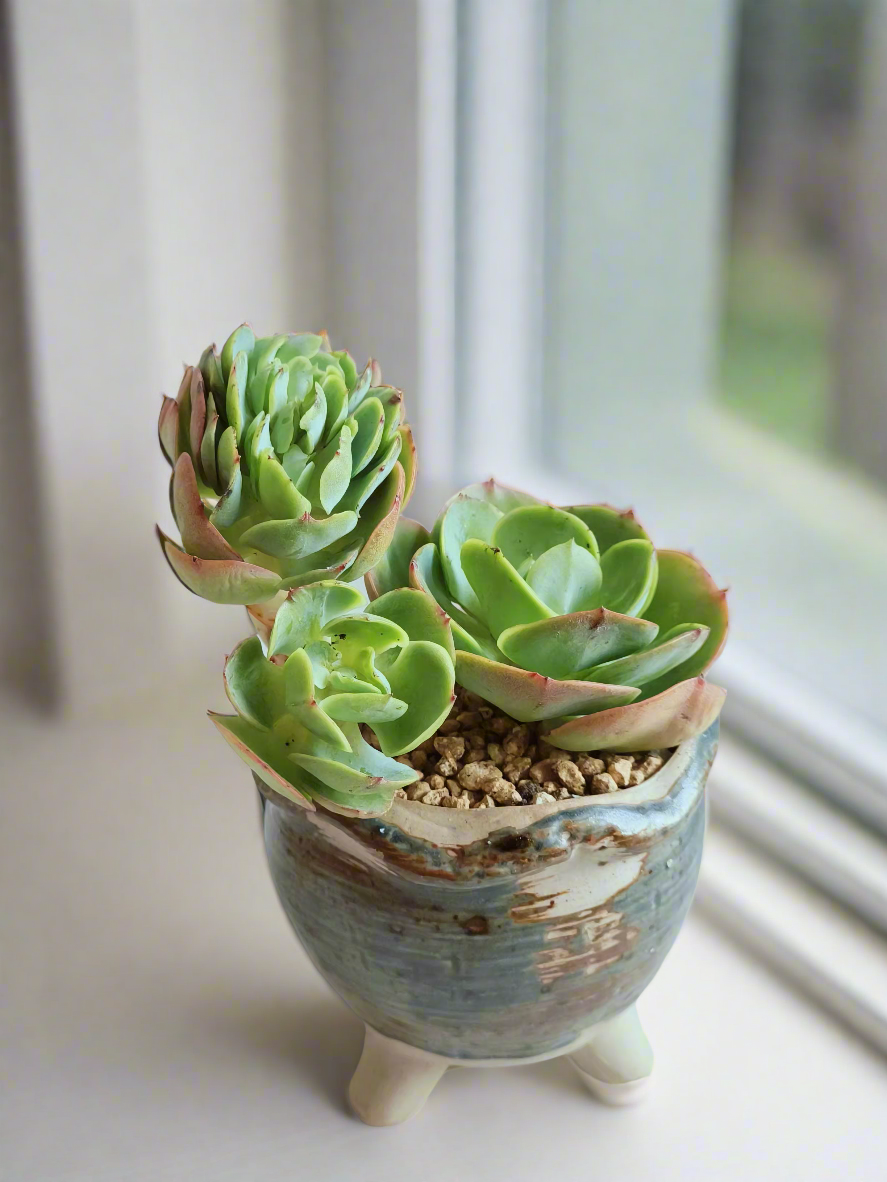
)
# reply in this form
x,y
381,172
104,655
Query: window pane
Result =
x,y
799,113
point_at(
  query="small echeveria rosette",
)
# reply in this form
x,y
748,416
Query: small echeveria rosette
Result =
x,y
568,616
289,466
303,689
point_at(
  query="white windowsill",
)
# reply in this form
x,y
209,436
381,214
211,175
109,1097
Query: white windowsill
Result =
x,y
163,1022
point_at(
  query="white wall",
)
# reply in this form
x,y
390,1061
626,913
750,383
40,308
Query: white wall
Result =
x,y
165,198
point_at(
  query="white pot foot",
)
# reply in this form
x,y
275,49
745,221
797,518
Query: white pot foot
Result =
x,y
392,1080
617,1061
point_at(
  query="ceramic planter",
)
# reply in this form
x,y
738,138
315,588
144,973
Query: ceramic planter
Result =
x,y
493,937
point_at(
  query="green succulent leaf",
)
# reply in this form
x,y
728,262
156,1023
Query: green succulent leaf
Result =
x,y
505,599
364,707
199,535
566,578
408,461
674,647
363,769
526,533
530,697
332,471
301,617
298,537
352,634
263,755
418,615
393,568
570,645
463,519
426,574
378,521
255,687
168,428
370,419
211,368
686,591
242,339
423,676
609,525
219,580
630,571
363,486
300,344
684,710
235,399
500,495
278,494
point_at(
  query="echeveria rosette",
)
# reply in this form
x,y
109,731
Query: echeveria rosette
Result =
x,y
568,616
289,466
325,668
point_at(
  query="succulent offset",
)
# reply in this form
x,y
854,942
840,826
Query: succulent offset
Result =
x,y
568,616
303,687
289,466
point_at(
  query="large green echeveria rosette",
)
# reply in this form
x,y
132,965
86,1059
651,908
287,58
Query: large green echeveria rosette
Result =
x,y
568,616
289,466
327,668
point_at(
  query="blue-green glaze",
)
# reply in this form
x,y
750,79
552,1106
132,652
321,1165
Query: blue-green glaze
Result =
x,y
509,947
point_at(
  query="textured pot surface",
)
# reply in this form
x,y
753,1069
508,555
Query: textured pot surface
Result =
x,y
495,933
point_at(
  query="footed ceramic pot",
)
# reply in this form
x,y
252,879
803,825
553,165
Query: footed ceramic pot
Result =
x,y
495,937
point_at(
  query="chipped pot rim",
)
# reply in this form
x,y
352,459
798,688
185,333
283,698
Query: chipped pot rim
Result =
x,y
457,827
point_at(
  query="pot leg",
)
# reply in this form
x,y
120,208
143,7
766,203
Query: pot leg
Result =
x,y
392,1080
616,1062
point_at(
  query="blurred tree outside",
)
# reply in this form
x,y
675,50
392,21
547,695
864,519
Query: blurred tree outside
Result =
x,y
797,96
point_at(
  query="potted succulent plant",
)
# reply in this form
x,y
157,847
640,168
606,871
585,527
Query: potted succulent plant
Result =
x,y
483,791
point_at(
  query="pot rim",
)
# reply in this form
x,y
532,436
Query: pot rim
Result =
x,y
457,827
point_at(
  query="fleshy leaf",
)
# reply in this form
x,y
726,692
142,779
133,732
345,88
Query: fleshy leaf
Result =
x,y
235,398
302,615
361,388
254,686
423,676
524,534
199,536
332,471
219,580
566,578
168,428
298,344
279,496
370,419
679,713
263,755
378,522
241,339
505,599
530,697
501,495
363,707
419,616
609,525
426,574
352,634
463,519
675,647
211,368
198,414
335,568
362,487
686,591
393,568
298,537
408,461
366,770
630,572
569,645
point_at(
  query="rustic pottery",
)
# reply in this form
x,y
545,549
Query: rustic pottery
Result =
x,y
495,937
